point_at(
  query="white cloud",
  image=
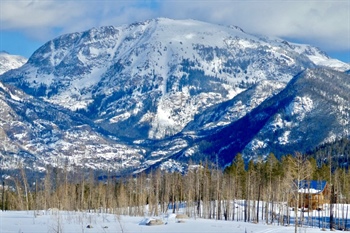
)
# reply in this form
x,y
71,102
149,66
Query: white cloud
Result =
x,y
327,23
323,23
26,14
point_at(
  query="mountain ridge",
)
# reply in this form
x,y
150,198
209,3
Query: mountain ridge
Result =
x,y
9,61
93,70
170,89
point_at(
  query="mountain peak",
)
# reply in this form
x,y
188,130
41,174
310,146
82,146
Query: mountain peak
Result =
x,y
134,73
9,62
162,85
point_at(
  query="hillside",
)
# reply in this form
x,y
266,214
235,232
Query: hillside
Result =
x,y
180,89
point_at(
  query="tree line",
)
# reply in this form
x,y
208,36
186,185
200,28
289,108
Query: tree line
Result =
x,y
253,192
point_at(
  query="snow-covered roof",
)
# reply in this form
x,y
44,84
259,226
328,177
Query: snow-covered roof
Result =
x,y
311,186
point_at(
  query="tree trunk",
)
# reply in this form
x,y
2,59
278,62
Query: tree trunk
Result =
x,y
3,196
331,210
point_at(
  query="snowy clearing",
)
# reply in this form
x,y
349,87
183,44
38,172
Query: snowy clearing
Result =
x,y
71,221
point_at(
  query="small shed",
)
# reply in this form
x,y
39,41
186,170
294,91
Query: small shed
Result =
x,y
313,194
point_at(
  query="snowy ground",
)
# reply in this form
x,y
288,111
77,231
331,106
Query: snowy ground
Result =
x,y
74,222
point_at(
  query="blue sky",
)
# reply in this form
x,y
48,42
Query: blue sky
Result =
x,y
25,25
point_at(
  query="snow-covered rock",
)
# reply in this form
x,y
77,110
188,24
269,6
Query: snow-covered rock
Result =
x,y
10,62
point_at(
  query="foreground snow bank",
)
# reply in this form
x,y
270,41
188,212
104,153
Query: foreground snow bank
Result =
x,y
69,222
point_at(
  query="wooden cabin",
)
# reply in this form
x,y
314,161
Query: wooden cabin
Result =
x,y
313,194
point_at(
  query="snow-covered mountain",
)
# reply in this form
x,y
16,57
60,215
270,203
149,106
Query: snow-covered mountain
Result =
x,y
156,75
313,109
169,88
39,134
10,62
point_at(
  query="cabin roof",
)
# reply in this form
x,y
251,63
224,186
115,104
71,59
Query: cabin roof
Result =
x,y
311,186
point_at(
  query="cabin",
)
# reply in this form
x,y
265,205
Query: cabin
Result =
x,y
313,194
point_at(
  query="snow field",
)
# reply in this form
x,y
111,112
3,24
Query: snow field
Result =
x,y
77,221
